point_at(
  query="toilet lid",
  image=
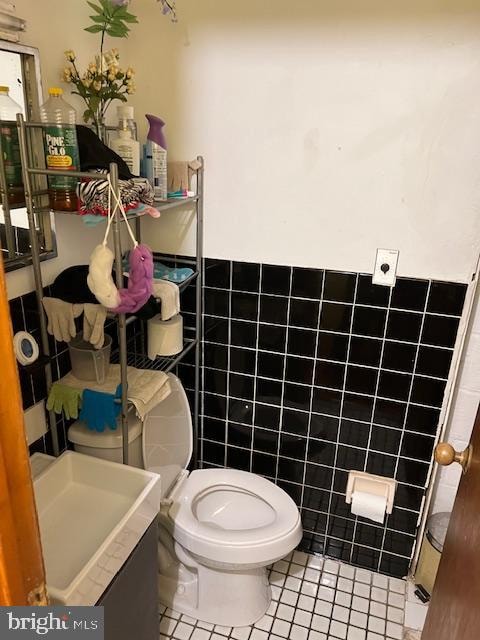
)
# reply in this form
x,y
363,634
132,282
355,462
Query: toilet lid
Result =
x,y
168,436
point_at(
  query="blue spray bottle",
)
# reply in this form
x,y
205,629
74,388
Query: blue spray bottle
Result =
x,y
156,157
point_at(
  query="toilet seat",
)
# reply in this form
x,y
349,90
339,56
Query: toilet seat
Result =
x,y
228,515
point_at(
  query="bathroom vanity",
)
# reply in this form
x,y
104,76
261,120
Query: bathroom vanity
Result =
x,y
98,526
131,601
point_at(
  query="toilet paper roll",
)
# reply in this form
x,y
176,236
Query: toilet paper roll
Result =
x,y
165,337
369,506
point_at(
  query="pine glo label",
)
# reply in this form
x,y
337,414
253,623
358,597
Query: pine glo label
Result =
x,y
61,154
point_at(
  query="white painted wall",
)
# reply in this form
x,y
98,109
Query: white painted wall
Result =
x,y
329,129
464,409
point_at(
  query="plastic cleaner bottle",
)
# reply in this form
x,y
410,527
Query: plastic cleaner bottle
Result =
x,y
11,148
156,157
61,149
125,113
126,147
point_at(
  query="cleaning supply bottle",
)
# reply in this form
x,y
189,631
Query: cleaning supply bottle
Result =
x,y
126,147
156,157
125,115
61,149
11,148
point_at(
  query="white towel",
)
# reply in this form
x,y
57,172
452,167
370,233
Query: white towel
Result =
x,y
169,295
145,388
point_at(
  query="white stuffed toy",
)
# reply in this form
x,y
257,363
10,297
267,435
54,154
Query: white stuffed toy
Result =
x,y
100,281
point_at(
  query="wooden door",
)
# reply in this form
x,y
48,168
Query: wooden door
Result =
x,y
22,577
454,611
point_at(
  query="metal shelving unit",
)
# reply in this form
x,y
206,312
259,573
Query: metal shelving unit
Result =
x,y
123,356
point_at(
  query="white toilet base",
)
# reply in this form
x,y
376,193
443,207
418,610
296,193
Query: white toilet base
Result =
x,y
227,598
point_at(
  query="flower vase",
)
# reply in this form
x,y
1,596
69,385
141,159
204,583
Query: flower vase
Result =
x,y
100,127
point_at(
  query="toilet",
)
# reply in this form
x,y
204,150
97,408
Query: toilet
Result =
x,y
218,528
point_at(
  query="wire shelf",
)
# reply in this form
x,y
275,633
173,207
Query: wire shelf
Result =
x,y
166,363
161,205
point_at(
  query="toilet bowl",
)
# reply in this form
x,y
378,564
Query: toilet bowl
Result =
x,y
218,528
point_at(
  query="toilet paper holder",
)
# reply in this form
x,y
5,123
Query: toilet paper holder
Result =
x,y
376,485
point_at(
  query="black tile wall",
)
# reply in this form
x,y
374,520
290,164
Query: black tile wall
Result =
x,y
311,373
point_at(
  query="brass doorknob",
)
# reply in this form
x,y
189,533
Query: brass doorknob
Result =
x,y
445,454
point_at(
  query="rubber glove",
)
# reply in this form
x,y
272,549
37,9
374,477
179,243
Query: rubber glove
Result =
x,y
99,410
66,399
61,318
94,316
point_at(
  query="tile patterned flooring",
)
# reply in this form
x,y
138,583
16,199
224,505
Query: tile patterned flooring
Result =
x,y
313,599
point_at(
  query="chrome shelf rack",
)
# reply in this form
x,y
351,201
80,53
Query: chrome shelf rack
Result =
x,y
35,205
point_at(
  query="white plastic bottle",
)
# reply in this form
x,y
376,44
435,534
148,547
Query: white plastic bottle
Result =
x,y
127,148
10,147
125,113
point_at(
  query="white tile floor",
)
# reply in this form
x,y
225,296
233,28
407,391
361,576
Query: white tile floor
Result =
x,y
313,599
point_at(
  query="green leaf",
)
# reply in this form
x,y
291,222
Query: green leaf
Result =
x,y
95,7
95,103
100,19
95,28
107,6
117,32
129,17
87,115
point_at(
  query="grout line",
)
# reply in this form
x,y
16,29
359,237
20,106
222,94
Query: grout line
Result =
x,y
334,465
282,398
254,401
406,415
368,447
340,333
342,302
310,412
351,393
339,362
227,389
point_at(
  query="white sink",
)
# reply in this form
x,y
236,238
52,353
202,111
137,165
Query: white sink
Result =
x,y
92,513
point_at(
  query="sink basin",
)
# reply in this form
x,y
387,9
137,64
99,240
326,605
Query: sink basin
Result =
x,y
92,513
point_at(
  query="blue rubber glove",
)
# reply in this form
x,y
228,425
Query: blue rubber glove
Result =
x,y
99,410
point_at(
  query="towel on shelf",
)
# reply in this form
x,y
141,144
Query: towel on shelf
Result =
x,y
178,176
93,194
162,272
145,388
148,391
99,409
169,295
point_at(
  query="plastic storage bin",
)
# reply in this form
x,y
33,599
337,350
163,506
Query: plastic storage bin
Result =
x,y
89,363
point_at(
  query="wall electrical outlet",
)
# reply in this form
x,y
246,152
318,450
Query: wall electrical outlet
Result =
x,y
385,271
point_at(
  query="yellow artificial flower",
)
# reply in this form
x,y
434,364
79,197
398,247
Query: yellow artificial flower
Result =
x,y
129,72
70,55
97,85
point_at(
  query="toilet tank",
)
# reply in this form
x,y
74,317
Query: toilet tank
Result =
x,y
168,436
108,444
